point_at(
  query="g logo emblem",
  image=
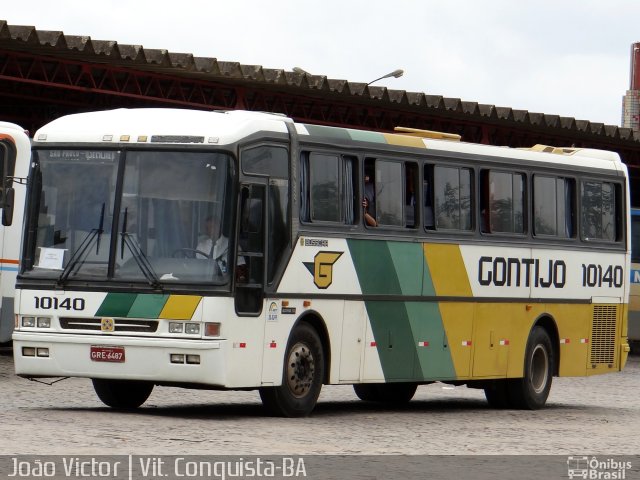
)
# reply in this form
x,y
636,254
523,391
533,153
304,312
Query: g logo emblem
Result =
x,y
322,268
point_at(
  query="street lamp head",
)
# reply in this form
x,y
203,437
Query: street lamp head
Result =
x,y
395,74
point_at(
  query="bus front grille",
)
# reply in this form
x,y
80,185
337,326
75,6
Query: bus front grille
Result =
x,y
603,334
119,325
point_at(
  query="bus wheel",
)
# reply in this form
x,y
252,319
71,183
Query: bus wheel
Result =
x,y
531,391
366,391
302,375
399,392
122,394
497,394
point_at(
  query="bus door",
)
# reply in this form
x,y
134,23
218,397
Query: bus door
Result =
x,y
9,242
250,258
7,168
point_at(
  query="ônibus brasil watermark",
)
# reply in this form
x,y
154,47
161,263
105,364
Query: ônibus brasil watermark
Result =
x,y
597,468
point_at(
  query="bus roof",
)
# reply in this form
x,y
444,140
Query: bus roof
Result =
x,y
166,125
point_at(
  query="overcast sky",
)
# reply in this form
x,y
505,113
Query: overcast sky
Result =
x,y
566,57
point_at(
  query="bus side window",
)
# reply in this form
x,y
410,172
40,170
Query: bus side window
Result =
x,y
553,206
327,188
389,188
452,198
601,209
502,202
427,191
635,235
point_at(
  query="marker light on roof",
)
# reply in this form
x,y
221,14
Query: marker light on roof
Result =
x,y
107,138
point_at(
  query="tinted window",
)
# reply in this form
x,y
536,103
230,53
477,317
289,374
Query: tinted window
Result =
x,y
389,188
635,238
278,224
266,160
553,206
452,194
324,176
598,211
503,202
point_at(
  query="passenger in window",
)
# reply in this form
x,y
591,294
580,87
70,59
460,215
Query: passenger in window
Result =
x,y
369,202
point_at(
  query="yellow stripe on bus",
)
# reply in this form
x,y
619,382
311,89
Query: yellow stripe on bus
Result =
x,y
448,273
404,140
180,307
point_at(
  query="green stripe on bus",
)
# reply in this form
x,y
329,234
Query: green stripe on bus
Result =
x,y
410,336
148,306
363,136
374,267
394,340
327,132
430,339
409,266
116,305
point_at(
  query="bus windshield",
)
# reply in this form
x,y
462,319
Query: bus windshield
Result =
x,y
162,220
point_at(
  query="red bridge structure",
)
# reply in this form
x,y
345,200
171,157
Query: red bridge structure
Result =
x,y
46,74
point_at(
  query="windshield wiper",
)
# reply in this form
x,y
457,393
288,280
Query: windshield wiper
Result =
x,y
138,255
81,252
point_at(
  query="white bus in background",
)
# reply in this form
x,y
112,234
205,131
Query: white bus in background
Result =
x,y
634,295
15,156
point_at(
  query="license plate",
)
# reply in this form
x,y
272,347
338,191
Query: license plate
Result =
x,y
107,354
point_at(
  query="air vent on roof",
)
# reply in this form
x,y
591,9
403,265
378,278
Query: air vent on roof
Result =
x,y
416,132
550,149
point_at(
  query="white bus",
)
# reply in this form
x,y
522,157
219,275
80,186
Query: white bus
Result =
x,y
230,251
15,156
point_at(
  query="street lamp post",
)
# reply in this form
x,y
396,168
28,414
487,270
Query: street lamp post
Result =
x,y
396,73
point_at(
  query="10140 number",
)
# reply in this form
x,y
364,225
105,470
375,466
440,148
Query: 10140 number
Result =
x,y
598,276
55,303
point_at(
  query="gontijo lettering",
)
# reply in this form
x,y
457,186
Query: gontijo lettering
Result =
x,y
516,272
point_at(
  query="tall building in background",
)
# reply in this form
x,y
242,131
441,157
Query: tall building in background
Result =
x,y
631,101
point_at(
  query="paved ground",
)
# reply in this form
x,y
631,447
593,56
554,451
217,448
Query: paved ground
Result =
x,y
584,416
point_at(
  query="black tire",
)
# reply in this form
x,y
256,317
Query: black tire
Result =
x,y
366,392
393,393
302,375
122,394
497,394
531,391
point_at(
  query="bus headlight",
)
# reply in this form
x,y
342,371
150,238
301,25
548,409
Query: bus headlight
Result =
x,y
192,328
43,322
29,322
176,327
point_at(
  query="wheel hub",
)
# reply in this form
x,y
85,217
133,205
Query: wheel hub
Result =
x,y
300,370
539,368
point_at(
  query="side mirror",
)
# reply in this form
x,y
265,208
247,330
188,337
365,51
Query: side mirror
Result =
x,y
7,210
